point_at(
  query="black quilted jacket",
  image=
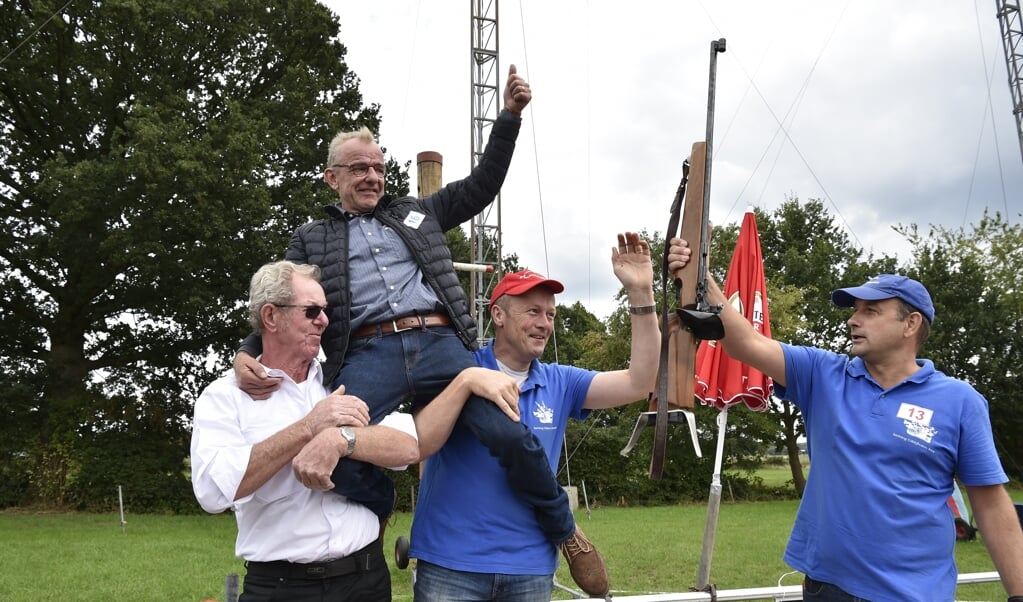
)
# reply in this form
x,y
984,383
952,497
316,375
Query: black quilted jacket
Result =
x,y
324,242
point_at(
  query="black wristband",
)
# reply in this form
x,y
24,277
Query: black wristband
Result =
x,y
1015,599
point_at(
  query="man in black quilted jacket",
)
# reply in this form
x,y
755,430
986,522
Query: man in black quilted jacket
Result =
x,y
400,327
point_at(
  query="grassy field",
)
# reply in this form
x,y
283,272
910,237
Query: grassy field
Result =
x,y
88,557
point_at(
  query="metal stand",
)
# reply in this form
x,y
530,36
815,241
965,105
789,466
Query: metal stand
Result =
x,y
646,419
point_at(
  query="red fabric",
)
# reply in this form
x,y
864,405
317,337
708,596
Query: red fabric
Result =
x,y
721,381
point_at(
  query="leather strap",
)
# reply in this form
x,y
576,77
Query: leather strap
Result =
x,y
659,399
406,323
370,557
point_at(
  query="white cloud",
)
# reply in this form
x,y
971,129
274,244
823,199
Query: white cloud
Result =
x,y
895,112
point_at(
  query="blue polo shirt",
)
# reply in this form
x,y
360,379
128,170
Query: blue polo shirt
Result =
x,y
468,518
874,519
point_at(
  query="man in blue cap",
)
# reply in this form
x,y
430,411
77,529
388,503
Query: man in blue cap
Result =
x,y
887,434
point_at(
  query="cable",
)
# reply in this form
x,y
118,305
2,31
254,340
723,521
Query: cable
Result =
x,y
781,125
989,109
31,35
536,165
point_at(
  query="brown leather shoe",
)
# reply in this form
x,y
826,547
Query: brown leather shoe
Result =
x,y
586,565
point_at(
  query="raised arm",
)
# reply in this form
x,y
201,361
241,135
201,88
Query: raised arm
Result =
x,y
741,342
633,268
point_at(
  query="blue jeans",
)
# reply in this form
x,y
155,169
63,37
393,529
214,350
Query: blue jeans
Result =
x,y
819,591
437,584
415,365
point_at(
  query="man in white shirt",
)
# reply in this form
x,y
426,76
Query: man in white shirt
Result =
x,y
270,461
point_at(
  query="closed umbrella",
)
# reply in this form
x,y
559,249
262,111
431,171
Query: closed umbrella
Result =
x,y
723,382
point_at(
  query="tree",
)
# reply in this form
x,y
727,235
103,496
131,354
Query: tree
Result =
x,y
973,277
155,155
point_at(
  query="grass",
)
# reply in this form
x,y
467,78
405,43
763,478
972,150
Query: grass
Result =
x,y
778,475
186,558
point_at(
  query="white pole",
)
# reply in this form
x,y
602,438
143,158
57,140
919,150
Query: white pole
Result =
x,y
472,267
120,503
586,500
713,505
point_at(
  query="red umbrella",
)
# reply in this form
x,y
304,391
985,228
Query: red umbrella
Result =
x,y
723,382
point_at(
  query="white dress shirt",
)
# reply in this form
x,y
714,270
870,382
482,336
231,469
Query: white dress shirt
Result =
x,y
283,519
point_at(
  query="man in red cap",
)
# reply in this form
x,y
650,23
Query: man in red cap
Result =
x,y
465,503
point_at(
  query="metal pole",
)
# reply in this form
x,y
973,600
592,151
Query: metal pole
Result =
x,y
231,588
713,505
586,500
120,503
716,47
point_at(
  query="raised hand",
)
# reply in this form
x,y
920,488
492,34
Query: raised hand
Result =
x,y
631,262
516,92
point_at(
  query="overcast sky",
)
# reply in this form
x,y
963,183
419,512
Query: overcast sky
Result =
x,y
889,112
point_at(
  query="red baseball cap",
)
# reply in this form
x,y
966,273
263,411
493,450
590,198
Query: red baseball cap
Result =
x,y
521,282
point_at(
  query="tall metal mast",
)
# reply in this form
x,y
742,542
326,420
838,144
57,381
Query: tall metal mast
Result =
x,y
1012,37
485,234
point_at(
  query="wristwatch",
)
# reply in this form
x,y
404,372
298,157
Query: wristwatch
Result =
x,y
349,435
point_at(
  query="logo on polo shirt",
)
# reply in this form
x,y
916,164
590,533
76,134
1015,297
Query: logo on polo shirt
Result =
x,y
918,421
543,413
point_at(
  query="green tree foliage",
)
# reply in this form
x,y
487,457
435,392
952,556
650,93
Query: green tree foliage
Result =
x,y
973,276
155,155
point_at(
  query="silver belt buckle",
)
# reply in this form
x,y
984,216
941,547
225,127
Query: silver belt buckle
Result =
x,y
394,324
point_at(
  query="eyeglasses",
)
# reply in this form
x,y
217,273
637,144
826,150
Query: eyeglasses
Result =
x,y
361,169
311,311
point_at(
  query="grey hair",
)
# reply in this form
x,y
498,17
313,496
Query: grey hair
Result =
x,y
364,133
272,284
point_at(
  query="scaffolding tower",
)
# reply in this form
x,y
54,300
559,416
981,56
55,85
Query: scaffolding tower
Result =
x,y
485,228
1012,37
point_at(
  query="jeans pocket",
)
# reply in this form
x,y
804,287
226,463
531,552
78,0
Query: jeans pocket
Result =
x,y
812,587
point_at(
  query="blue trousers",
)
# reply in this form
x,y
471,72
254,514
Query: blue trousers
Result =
x,y
415,365
435,583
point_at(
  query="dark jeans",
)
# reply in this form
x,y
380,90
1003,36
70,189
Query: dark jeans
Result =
x,y
819,591
416,365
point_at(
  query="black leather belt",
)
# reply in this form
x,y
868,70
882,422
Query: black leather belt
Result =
x,y
370,557
407,323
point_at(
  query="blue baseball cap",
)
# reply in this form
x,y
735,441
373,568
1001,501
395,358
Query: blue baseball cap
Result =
x,y
887,286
